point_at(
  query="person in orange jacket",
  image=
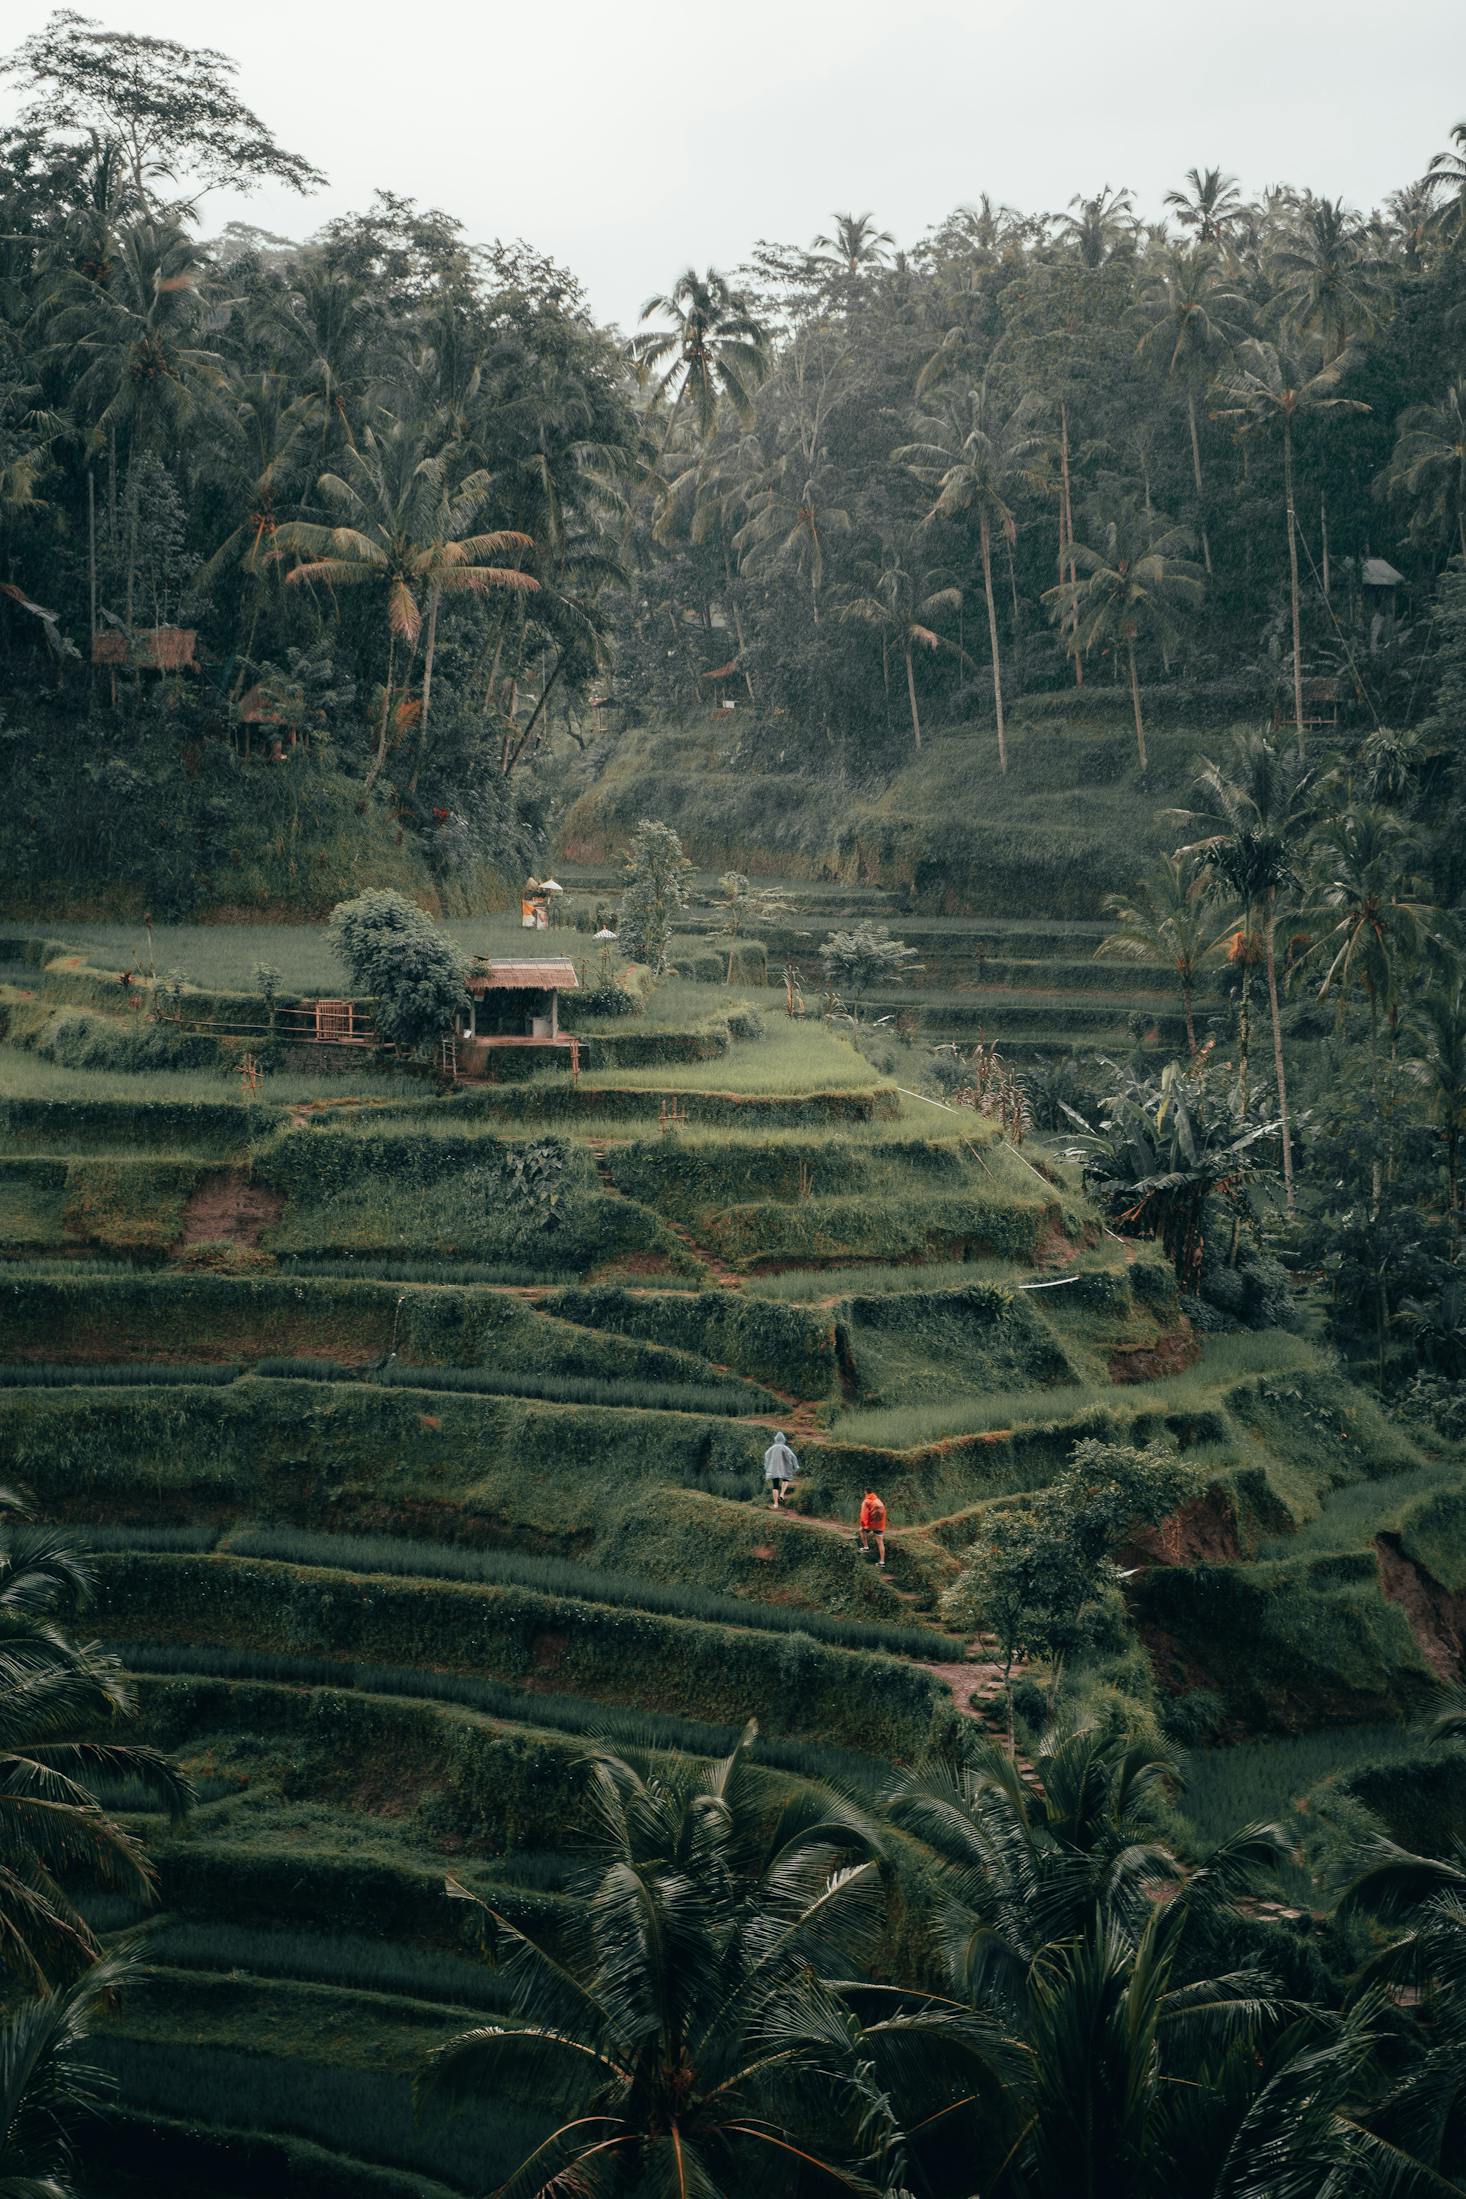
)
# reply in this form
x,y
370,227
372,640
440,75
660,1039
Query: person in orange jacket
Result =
x,y
873,1525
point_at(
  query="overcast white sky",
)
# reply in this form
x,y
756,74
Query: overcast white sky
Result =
x,y
629,137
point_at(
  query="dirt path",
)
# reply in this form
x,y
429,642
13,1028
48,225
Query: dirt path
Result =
x,y
229,1209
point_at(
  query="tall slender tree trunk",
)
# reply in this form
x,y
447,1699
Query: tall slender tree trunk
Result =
x,y
1323,528
987,582
380,757
1244,1015
1188,1011
430,647
737,625
1135,699
92,548
1278,1069
1293,581
911,696
1196,477
1068,529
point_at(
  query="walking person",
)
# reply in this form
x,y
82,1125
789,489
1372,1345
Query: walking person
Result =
x,y
780,1468
873,1526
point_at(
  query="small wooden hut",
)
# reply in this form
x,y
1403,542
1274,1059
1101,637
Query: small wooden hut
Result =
x,y
514,1004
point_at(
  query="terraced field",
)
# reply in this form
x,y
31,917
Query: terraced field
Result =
x,y
407,1478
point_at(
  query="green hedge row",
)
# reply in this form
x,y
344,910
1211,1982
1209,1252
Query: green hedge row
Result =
x,y
121,1203
214,1129
691,1179
792,1684
788,1345
139,2153
163,1315
886,1227
345,1453
1286,1644
564,1101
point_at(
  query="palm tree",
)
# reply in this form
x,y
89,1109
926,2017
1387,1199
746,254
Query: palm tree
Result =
x,y
404,531
790,521
46,2081
1330,280
714,352
1170,918
1429,464
1210,206
1134,588
1189,304
1271,392
1364,864
269,433
1099,228
687,2037
854,245
1445,178
977,454
1439,1066
53,1829
1253,820
325,322
143,376
901,604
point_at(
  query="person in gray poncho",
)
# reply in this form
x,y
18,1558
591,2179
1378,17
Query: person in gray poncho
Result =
x,y
780,1468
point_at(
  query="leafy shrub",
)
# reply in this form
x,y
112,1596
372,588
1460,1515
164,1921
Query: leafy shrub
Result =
x,y
746,1023
655,889
410,968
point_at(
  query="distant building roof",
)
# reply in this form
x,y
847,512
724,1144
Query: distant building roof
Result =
x,y
544,976
1378,572
147,649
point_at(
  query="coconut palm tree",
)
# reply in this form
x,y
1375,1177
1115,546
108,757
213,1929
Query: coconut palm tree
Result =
x,y
687,2037
1210,205
142,376
55,1695
791,519
1438,1020
1330,280
1172,918
47,2082
1193,314
1428,465
901,604
1366,879
1099,228
1253,820
404,531
270,429
854,245
714,353
1132,589
977,453
1272,392
1445,179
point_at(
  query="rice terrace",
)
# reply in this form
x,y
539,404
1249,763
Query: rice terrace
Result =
x,y
732,1093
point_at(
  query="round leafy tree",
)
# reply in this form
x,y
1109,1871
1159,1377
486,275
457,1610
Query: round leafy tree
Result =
x,y
404,961
655,889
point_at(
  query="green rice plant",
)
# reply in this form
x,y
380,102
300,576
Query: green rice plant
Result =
x,y
366,2114
114,1375
164,2153
1350,1517
147,1535
1258,1782
563,1577
331,1958
645,1731
619,1653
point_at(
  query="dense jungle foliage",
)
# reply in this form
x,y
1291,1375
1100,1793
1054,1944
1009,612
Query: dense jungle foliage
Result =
x,y
432,530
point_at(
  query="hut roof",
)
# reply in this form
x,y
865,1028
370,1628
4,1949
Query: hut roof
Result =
x,y
147,649
258,705
544,976
1378,572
